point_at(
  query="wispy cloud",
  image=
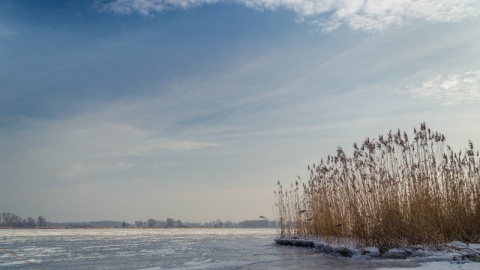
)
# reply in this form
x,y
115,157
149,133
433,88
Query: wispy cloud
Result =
x,y
155,146
361,15
449,89
123,139
108,146
146,7
81,169
6,31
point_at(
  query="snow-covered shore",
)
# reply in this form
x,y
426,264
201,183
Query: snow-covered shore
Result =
x,y
454,255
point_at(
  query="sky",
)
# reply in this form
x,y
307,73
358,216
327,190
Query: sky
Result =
x,y
194,109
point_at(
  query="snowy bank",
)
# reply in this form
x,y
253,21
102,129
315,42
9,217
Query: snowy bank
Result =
x,y
454,251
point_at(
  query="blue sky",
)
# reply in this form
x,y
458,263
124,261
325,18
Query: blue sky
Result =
x,y
194,109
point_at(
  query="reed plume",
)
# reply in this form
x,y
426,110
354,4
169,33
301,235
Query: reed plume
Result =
x,y
392,192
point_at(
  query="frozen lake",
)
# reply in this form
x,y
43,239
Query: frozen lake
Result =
x,y
167,249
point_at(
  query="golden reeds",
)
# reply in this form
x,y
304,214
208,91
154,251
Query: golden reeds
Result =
x,y
392,192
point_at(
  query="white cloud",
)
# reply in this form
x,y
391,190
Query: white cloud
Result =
x,y
361,15
449,89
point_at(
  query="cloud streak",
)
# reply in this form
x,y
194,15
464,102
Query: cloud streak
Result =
x,y
360,15
76,170
146,7
155,146
96,146
6,31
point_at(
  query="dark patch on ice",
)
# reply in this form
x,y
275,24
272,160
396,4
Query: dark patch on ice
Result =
x,y
295,242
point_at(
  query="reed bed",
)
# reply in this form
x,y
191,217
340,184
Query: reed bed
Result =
x,y
393,192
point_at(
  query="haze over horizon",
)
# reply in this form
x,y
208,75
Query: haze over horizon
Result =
x,y
194,109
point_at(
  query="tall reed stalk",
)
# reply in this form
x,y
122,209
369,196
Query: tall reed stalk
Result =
x,y
392,192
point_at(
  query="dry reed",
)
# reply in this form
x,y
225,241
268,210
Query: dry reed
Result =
x,y
391,193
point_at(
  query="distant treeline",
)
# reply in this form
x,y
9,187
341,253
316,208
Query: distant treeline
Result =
x,y
11,220
168,223
171,223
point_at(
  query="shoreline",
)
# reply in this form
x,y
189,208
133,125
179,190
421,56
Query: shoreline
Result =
x,y
126,228
453,251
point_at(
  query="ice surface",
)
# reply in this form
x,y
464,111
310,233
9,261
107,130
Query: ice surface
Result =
x,y
131,248
154,249
206,264
371,251
443,266
474,246
458,244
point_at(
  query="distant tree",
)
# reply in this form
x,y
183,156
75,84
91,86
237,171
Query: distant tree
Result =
x,y
262,223
218,223
30,222
229,224
41,221
125,224
11,220
139,224
161,223
170,223
178,224
151,222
